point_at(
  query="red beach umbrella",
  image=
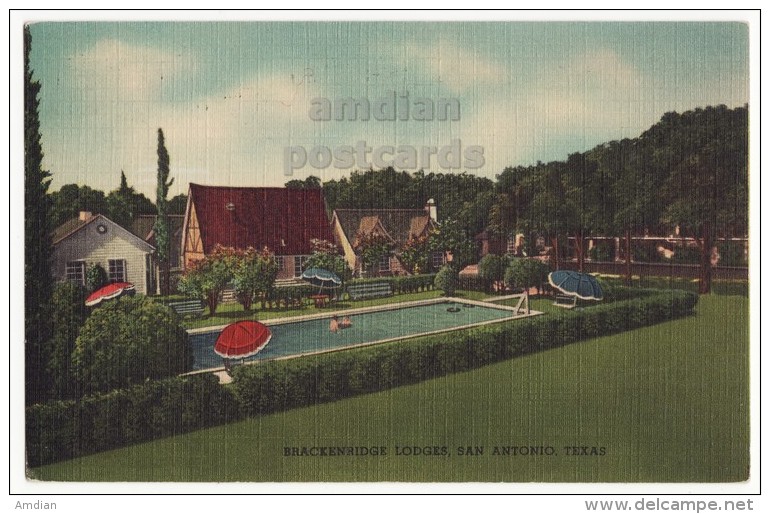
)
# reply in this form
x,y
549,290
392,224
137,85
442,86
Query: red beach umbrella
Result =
x,y
109,292
242,339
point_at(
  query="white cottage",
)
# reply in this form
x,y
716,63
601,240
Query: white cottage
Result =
x,y
91,239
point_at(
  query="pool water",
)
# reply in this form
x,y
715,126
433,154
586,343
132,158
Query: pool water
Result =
x,y
301,337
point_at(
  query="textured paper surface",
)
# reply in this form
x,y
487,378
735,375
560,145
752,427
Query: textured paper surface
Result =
x,y
257,105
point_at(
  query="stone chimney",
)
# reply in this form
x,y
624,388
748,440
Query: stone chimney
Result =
x,y
85,215
430,208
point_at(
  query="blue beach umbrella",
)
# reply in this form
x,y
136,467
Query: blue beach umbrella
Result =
x,y
574,283
321,278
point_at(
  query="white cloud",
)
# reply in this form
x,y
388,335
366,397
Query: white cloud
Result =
x,y
595,89
238,135
119,71
124,93
233,137
573,105
456,68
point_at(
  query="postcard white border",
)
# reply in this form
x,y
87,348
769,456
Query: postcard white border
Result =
x,y
18,483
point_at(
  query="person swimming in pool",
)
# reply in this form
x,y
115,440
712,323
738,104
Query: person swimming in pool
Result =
x,y
334,324
346,323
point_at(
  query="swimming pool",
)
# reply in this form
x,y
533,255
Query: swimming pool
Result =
x,y
311,334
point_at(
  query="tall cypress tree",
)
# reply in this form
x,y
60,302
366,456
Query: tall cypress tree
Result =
x,y
161,228
37,239
124,188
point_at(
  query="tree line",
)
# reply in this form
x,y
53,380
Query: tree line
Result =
x,y
122,205
688,173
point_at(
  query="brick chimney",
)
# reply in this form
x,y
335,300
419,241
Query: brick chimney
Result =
x,y
430,208
85,215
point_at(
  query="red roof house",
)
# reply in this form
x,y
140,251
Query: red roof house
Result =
x,y
281,219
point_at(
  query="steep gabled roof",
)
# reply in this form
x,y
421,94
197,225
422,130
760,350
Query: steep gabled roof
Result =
x,y
143,226
373,225
75,225
399,224
68,227
419,225
283,219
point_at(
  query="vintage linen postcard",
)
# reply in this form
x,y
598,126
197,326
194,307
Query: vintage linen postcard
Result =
x,y
348,251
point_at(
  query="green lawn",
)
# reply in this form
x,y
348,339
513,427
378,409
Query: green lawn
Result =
x,y
720,287
667,403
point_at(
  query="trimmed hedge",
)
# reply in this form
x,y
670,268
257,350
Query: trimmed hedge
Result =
x,y
401,284
281,385
474,283
66,429
288,295
61,430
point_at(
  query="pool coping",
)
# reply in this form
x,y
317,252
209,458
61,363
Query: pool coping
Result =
x,y
362,310
376,308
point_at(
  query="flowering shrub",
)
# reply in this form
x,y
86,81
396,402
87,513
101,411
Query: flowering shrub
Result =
x,y
206,278
326,255
416,252
254,275
372,248
252,272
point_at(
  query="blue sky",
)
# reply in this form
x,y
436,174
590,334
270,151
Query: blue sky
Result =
x,y
231,97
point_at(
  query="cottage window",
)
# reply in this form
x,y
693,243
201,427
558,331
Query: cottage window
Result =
x,y
510,246
299,264
278,260
117,271
437,259
76,272
385,263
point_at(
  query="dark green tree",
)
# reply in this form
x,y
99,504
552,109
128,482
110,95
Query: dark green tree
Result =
x,y
67,202
523,273
451,239
551,213
447,280
128,341
583,194
178,204
636,196
37,240
68,314
474,216
706,191
161,228
311,182
492,270
391,189
120,204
